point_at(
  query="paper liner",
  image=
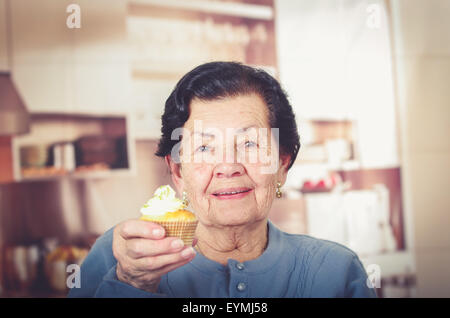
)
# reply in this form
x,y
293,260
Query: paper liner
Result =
x,y
185,230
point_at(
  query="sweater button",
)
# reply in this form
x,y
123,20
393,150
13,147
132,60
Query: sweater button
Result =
x,y
241,286
240,266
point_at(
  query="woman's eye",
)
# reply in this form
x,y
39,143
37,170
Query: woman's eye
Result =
x,y
250,144
203,148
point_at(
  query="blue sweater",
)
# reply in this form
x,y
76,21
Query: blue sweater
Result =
x,y
291,266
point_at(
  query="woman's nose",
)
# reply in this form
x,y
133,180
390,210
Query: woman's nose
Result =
x,y
228,170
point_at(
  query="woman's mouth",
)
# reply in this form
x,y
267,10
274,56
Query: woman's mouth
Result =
x,y
231,193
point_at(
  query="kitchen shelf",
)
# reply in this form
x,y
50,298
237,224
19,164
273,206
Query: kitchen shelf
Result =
x,y
48,129
241,10
81,175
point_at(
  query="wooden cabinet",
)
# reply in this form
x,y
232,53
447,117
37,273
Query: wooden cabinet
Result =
x,y
6,162
62,69
82,146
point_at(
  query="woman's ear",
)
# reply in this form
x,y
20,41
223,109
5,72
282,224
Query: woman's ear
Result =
x,y
175,172
283,170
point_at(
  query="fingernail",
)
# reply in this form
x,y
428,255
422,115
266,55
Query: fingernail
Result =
x,y
188,252
157,232
177,244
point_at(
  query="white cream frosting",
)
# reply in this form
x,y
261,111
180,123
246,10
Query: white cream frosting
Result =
x,y
163,201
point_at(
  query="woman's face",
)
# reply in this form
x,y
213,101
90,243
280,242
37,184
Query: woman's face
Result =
x,y
230,162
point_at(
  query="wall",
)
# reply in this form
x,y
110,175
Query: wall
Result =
x,y
421,34
3,38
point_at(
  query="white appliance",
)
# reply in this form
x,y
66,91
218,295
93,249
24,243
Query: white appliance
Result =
x,y
358,219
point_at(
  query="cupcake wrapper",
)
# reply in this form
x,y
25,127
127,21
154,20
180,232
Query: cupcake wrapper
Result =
x,y
185,230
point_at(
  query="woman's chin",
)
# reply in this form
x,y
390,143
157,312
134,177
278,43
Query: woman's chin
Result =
x,y
235,221
231,219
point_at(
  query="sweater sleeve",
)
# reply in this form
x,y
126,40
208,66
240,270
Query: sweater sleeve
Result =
x,y
339,273
98,274
356,281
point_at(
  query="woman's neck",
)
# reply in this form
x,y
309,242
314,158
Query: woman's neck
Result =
x,y
241,243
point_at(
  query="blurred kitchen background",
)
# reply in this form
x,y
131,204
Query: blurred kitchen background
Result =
x,y
82,89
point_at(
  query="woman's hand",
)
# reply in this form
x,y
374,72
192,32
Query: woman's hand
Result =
x,y
143,254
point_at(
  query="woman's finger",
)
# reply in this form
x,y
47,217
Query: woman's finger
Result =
x,y
138,248
168,268
156,263
141,229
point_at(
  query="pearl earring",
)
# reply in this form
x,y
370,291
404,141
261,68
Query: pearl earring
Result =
x,y
185,199
278,193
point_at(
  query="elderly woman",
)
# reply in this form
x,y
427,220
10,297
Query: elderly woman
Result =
x,y
238,251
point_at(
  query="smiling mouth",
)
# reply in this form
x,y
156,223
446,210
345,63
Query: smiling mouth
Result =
x,y
232,193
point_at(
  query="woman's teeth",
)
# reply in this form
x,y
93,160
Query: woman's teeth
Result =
x,y
228,193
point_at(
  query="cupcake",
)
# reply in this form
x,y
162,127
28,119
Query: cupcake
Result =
x,y
171,213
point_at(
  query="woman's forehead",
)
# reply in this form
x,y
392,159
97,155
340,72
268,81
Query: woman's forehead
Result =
x,y
237,112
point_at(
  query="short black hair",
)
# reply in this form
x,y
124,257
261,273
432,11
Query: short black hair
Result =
x,y
216,80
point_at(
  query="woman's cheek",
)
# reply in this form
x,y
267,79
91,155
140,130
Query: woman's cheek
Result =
x,y
265,184
197,178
